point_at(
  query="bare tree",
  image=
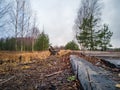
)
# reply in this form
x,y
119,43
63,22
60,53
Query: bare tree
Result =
x,y
22,23
20,18
4,9
34,32
14,14
25,21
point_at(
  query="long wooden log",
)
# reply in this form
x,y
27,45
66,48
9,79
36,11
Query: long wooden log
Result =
x,y
90,76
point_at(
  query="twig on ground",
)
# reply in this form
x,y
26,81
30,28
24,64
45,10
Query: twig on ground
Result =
x,y
7,80
53,74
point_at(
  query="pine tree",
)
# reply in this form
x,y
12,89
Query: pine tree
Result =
x,y
87,23
42,43
104,36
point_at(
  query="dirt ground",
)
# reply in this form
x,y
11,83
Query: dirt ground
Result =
x,y
52,73
40,71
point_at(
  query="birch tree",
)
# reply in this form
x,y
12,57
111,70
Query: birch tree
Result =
x,y
20,16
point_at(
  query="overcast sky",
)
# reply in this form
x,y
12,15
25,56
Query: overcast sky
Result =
x,y
57,17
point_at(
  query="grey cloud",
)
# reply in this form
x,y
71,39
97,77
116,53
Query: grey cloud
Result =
x,y
111,16
58,17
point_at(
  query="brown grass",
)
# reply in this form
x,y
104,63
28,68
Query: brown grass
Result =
x,y
10,59
26,56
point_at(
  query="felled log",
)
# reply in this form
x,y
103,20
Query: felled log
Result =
x,y
53,51
90,76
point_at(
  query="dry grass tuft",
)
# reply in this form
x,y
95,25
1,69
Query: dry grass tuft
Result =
x,y
10,59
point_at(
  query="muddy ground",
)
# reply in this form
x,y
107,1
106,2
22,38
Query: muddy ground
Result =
x,y
39,71
53,73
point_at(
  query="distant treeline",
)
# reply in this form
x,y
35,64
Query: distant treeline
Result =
x,y
9,44
25,43
114,49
